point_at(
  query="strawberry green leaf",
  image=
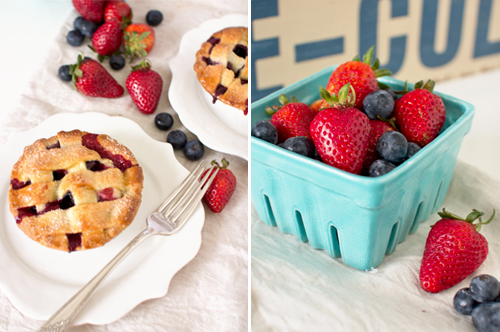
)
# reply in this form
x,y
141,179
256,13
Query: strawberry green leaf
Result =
x,y
143,36
376,64
419,85
356,58
344,93
429,85
368,57
382,86
445,214
382,72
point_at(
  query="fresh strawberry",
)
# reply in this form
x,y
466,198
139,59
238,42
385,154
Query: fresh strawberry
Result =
x,y
92,79
108,38
420,114
453,251
139,40
341,133
378,127
221,189
118,10
144,86
316,105
362,76
91,10
291,119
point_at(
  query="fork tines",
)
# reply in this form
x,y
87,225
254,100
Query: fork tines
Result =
x,y
183,200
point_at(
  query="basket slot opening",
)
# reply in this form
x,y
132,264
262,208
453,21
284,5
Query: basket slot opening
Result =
x,y
335,245
416,221
301,231
270,214
436,202
391,246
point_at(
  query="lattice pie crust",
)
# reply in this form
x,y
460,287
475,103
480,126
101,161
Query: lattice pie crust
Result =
x,y
75,190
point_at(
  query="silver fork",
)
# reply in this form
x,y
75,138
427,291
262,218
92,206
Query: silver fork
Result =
x,y
166,220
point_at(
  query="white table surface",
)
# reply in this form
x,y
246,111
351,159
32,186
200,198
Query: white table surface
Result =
x,y
199,296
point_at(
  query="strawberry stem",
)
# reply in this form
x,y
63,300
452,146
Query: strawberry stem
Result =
x,y
473,216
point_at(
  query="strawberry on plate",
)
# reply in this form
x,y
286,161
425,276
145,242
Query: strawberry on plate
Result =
x,y
341,132
139,40
221,189
107,38
361,75
144,86
292,119
91,10
92,79
454,250
420,114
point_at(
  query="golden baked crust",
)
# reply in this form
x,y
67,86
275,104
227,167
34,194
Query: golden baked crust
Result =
x,y
222,67
75,190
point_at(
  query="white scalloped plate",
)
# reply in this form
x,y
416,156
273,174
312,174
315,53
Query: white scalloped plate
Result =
x,y
219,126
38,280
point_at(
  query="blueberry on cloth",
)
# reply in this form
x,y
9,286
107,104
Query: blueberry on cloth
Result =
x,y
88,28
484,288
164,121
117,61
392,146
301,145
194,150
266,131
154,17
64,74
463,302
74,38
380,167
378,103
77,23
486,317
177,138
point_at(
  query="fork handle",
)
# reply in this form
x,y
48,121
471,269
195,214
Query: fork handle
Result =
x,y
65,315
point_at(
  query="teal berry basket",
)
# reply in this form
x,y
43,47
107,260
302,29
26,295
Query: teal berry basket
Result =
x,y
358,218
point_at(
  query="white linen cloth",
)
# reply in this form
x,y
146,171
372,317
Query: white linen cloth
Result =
x,y
211,292
298,288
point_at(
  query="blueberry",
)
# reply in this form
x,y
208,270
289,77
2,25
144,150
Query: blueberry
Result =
x,y
117,61
392,146
412,149
486,317
484,288
463,302
177,138
392,93
194,150
164,121
87,28
301,145
380,167
378,103
74,38
265,130
77,23
154,17
64,74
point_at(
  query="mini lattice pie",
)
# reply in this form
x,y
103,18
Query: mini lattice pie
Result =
x,y
222,67
75,190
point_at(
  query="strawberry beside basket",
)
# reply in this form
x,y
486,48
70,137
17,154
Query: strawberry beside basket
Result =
x,y
358,218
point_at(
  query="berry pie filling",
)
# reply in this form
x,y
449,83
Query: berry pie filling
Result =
x,y
61,181
16,184
90,142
